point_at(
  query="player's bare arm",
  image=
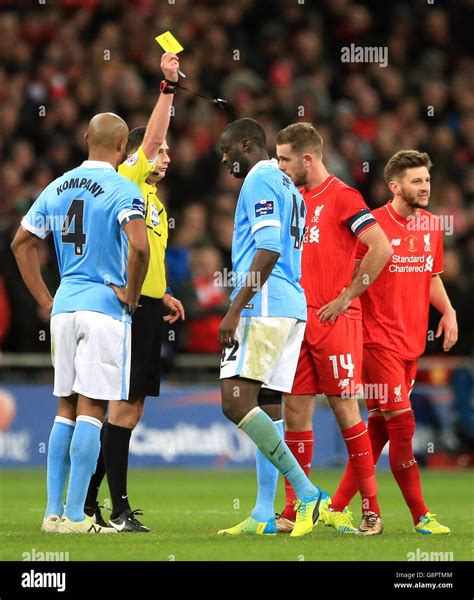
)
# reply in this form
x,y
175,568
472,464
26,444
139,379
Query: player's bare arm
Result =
x,y
378,254
448,322
138,258
159,121
260,269
25,249
356,268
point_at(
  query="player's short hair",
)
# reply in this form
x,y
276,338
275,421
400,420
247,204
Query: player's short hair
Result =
x,y
246,129
302,137
403,160
135,139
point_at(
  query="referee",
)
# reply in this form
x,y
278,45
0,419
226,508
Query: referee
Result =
x,y
146,164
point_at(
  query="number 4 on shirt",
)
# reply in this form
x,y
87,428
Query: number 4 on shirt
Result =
x,y
76,237
295,223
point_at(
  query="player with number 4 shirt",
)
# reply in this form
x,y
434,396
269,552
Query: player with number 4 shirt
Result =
x,y
330,360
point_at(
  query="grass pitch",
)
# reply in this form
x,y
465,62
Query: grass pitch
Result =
x,y
185,508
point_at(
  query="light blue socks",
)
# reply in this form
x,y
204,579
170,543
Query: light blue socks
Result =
x,y
58,464
267,480
263,432
85,448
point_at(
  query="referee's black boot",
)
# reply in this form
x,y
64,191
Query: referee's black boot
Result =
x,y
127,522
94,512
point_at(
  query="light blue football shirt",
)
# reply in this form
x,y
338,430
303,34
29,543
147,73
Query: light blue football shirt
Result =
x,y
85,209
268,198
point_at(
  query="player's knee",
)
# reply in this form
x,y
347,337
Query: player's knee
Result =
x,y
229,410
298,423
346,411
295,421
298,413
125,414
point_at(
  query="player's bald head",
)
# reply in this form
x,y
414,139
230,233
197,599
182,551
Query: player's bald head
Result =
x,y
106,130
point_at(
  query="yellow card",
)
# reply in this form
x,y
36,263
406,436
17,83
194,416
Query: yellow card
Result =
x,y
169,43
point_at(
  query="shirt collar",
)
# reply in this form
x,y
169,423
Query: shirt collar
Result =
x,y
321,187
273,162
395,216
97,164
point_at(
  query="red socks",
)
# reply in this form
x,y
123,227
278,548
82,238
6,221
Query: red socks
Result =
x,y
399,430
362,464
364,447
403,464
347,489
301,445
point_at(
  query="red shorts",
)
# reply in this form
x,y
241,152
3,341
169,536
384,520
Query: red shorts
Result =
x,y
330,359
388,379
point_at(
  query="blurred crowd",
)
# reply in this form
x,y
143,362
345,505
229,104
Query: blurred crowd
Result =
x,y
277,61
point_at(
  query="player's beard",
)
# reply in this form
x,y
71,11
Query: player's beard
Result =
x,y
300,177
414,200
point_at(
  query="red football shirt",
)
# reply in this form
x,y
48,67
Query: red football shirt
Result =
x,y
336,215
395,307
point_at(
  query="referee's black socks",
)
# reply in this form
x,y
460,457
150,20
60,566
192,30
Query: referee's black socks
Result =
x,y
115,448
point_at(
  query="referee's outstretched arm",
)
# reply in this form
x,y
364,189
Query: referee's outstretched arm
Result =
x,y
159,121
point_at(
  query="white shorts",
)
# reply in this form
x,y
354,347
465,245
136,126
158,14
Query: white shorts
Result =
x,y
91,355
267,350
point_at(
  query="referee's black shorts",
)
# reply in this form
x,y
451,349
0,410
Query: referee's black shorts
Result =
x,y
148,329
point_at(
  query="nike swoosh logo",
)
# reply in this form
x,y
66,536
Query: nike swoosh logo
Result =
x,y
316,509
123,497
272,452
117,527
